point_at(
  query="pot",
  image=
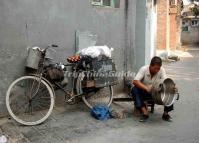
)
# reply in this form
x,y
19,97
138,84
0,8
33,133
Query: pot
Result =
x,y
164,93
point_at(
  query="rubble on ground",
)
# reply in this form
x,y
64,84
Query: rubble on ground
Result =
x,y
172,56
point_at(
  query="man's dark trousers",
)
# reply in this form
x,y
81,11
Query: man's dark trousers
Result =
x,y
141,96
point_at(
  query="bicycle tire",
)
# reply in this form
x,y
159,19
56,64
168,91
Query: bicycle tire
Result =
x,y
16,88
108,101
104,96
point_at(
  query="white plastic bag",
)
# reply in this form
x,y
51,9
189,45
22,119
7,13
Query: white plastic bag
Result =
x,y
3,139
96,51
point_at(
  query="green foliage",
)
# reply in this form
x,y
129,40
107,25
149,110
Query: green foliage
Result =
x,y
195,11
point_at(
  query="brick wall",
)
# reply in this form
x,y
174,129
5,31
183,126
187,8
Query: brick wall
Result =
x,y
173,31
161,24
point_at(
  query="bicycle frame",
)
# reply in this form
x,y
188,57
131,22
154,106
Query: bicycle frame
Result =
x,y
44,101
69,93
41,72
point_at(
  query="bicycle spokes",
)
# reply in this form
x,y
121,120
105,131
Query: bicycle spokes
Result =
x,y
30,100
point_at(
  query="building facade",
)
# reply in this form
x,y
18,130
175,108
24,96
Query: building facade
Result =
x,y
124,25
190,25
168,24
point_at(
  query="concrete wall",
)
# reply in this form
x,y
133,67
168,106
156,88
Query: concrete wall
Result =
x,y
190,36
140,33
145,33
25,23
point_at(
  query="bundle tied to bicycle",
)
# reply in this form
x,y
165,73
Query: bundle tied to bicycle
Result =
x,y
55,74
98,64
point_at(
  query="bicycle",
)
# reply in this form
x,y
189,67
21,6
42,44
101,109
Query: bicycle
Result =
x,y
30,99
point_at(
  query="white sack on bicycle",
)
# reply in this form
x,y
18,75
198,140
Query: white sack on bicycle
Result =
x,y
96,51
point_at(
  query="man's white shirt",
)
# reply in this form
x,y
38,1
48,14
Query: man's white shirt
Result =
x,y
144,76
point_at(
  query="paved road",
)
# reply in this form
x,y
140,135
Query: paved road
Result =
x,y
74,125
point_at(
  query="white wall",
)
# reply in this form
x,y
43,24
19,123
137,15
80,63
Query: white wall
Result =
x,y
151,28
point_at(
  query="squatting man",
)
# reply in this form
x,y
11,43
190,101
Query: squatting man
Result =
x,y
147,76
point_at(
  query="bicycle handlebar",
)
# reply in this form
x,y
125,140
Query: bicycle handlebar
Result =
x,y
51,46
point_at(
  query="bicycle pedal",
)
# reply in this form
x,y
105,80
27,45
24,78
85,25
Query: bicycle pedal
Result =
x,y
71,101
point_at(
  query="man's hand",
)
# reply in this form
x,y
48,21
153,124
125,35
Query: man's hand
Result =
x,y
148,88
140,85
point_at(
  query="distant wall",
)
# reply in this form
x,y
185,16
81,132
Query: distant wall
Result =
x,y
191,36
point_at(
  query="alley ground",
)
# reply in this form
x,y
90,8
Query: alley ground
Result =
x,y
73,124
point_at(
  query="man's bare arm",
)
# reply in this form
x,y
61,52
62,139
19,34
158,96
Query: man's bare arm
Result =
x,y
140,85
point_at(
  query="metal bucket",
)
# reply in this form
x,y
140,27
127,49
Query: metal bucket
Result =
x,y
33,58
163,93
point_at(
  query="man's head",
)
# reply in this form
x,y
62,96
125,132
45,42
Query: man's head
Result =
x,y
155,65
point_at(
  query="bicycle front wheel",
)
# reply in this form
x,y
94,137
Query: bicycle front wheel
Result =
x,y
30,100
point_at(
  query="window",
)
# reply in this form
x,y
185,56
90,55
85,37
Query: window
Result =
x,y
154,2
117,3
96,2
173,2
185,23
195,23
154,5
186,29
106,3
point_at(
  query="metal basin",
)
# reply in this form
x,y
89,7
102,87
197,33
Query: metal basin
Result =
x,y
164,92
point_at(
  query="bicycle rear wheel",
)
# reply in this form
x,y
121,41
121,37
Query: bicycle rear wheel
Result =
x,y
102,96
94,96
29,100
